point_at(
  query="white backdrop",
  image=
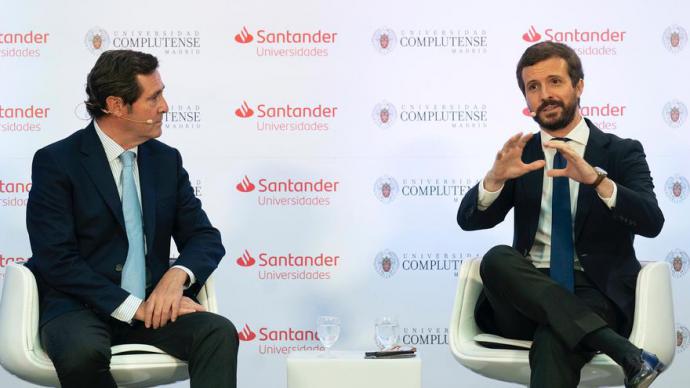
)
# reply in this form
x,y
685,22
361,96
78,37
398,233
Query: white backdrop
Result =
x,y
443,72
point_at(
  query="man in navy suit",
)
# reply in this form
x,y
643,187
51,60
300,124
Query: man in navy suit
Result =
x,y
579,195
104,204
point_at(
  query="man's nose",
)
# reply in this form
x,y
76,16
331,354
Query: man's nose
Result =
x,y
164,107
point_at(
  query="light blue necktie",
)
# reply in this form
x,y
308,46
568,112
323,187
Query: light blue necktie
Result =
x,y
134,271
562,250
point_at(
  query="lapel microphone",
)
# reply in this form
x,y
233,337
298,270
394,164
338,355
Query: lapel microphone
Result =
x,y
149,121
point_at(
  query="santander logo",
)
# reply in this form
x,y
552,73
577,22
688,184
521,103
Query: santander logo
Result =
x,y
287,111
245,186
246,260
532,35
244,111
244,36
604,110
246,334
606,35
289,185
266,334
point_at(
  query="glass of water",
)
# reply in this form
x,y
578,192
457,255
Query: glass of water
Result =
x,y
387,332
328,330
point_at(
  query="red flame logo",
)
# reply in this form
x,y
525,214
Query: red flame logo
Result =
x,y
245,185
246,260
246,334
532,35
244,36
244,111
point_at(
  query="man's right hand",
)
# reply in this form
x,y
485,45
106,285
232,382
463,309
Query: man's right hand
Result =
x,y
509,164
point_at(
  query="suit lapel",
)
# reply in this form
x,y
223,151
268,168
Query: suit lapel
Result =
x,y
147,183
595,155
533,184
95,163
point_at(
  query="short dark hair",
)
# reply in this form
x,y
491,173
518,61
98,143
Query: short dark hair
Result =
x,y
544,50
115,74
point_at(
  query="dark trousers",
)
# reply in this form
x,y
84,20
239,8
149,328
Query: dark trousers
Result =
x,y
522,302
79,344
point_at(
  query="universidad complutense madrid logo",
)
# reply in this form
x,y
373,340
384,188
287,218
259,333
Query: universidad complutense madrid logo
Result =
x,y
384,40
675,112
676,188
675,37
97,40
682,335
678,260
384,114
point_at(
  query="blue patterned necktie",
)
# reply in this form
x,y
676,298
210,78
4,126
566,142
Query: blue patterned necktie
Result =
x,y
562,250
134,271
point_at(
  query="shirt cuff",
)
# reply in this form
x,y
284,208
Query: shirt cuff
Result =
x,y
485,197
126,311
611,202
192,279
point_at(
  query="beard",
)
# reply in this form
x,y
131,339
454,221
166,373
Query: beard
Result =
x,y
560,122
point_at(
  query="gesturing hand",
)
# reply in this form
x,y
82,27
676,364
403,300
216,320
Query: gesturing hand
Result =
x,y
576,169
509,164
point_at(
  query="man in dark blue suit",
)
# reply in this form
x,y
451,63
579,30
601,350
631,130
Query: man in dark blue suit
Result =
x,y
579,195
104,204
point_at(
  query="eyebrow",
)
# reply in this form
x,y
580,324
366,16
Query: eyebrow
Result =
x,y
158,92
548,77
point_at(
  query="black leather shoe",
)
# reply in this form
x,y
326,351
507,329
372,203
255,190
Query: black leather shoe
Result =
x,y
650,368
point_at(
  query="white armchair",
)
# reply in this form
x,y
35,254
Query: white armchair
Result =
x,y
653,330
132,365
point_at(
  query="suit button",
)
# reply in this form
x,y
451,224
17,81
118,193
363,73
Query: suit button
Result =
x,y
118,268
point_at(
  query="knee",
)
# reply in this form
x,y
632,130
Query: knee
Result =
x,y
221,329
82,358
494,261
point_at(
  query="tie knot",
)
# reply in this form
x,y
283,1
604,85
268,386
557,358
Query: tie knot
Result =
x,y
127,158
563,139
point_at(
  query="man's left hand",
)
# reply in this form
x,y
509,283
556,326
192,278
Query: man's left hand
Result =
x,y
577,168
164,302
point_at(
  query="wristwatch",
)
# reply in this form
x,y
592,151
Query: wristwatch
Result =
x,y
601,174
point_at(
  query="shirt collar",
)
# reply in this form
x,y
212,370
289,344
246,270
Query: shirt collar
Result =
x,y
112,149
579,134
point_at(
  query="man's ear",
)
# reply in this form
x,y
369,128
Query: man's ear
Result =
x,y
115,105
579,87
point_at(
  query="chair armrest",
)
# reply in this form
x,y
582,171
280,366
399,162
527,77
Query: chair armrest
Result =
x,y
463,327
18,316
654,323
207,295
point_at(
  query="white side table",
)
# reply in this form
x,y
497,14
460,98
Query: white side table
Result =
x,y
350,369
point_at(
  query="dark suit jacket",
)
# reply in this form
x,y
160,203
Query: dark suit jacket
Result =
x,y
77,230
603,237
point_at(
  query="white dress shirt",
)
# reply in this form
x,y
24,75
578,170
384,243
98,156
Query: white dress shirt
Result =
x,y
540,253
125,312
